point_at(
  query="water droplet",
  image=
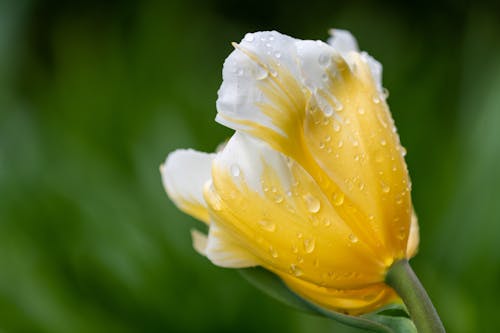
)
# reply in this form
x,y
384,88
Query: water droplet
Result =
x,y
385,93
277,54
402,233
399,198
321,145
385,188
309,245
324,60
273,252
240,72
376,99
324,77
328,110
249,38
338,198
379,157
299,235
383,142
353,238
278,198
361,186
403,151
261,73
295,270
355,143
316,262
336,127
327,222
295,249
267,225
361,111
271,38
273,72
340,144
300,259
328,138
313,204
235,170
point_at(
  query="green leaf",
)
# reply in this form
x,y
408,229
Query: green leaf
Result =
x,y
390,319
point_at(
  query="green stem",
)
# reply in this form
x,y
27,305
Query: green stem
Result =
x,y
402,278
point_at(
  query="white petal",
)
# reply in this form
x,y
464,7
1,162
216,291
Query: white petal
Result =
x,y
342,41
256,65
244,155
224,251
200,241
184,174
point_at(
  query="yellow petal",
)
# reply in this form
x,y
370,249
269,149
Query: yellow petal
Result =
x,y
413,238
349,301
279,214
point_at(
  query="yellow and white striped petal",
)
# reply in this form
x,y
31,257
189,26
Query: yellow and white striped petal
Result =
x,y
261,92
276,211
331,117
225,251
349,134
184,174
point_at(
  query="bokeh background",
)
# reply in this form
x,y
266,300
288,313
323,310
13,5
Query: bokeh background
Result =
x,y
94,94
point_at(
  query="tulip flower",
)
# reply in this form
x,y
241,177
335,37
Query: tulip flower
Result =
x,y
313,184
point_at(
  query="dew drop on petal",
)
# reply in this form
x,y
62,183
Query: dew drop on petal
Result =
x,y
353,238
309,245
328,138
324,60
249,38
376,99
336,127
313,204
235,170
383,142
273,252
277,54
260,74
267,225
273,72
295,270
338,198
403,151
385,188
316,262
240,72
361,111
385,93
328,110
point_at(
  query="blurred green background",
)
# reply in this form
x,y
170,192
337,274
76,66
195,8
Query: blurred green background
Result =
x,y
94,94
